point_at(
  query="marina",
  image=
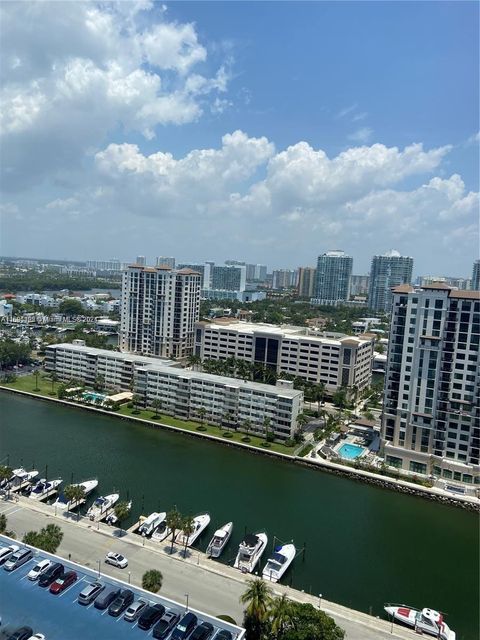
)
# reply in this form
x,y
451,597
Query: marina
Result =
x,y
348,529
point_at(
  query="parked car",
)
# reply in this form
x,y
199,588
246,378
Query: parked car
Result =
x,y
223,634
91,591
150,616
185,626
23,633
121,602
6,552
165,625
106,598
38,569
37,636
116,560
63,582
17,559
135,610
51,574
204,631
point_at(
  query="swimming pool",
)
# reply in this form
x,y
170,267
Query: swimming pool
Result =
x,y
91,395
350,451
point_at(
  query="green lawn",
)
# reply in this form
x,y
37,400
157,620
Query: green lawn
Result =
x,y
27,383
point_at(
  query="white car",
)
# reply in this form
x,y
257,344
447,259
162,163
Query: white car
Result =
x,y
116,559
6,552
38,569
37,636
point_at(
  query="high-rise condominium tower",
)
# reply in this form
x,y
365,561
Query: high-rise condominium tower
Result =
x,y
431,417
163,261
476,276
387,271
334,270
159,309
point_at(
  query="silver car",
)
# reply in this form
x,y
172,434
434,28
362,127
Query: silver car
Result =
x,y
90,592
135,610
6,552
17,559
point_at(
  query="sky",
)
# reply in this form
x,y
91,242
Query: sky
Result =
x,y
268,132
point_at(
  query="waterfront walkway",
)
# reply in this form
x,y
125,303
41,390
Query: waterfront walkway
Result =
x,y
212,587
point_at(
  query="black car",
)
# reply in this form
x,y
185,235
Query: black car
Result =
x,y
150,616
21,634
51,574
184,627
203,632
223,634
165,625
106,598
121,602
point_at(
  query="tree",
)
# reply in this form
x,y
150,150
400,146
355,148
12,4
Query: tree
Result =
x,y
247,425
3,523
281,615
99,383
48,538
193,361
122,511
188,527
74,493
202,412
174,523
136,399
302,419
308,623
267,423
257,598
5,472
157,405
152,580
54,378
71,307
339,398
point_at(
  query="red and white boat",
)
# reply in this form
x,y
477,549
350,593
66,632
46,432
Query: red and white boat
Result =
x,y
424,621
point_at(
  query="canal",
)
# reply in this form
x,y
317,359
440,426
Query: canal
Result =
x,y
364,545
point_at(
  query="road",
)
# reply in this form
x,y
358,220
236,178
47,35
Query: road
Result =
x,y
211,587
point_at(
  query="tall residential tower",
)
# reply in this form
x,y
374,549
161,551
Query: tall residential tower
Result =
x,y
332,285
388,271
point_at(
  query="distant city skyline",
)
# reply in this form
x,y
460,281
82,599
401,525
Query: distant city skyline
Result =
x,y
168,129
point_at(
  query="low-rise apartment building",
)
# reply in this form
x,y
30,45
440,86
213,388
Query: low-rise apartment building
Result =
x,y
335,360
228,402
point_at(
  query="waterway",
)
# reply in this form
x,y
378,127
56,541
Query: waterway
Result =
x,y
364,545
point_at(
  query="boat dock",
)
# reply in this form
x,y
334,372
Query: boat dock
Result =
x,y
100,517
20,487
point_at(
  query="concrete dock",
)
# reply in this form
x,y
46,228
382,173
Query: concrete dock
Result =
x,y
212,587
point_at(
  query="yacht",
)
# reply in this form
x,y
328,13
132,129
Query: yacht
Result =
x,y
161,532
62,502
102,505
149,525
19,477
219,541
279,562
423,621
112,518
250,551
200,523
42,487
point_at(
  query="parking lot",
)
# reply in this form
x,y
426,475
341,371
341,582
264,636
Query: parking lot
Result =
x,y
60,617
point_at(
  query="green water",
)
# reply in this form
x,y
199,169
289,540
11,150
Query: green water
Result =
x,y
364,546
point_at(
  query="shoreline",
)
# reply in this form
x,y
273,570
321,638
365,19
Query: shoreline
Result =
x,y
384,482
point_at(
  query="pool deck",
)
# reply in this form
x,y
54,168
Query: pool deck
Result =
x,y
212,587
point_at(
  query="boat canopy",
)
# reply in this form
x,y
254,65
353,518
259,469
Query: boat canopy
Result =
x,y
278,557
250,540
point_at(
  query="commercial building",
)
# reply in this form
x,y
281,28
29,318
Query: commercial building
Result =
x,y
257,272
225,294
185,394
332,359
431,419
334,270
159,309
230,278
163,261
104,265
306,281
387,271
284,278
475,284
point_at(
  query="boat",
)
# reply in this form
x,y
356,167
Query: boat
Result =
x,y
19,477
162,532
250,551
423,621
200,523
279,562
219,541
42,487
113,519
62,502
149,525
101,505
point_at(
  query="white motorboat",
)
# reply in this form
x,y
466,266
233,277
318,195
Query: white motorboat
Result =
x,y
423,621
101,505
200,523
113,519
250,551
149,525
279,562
219,541
20,476
161,533
42,487
62,502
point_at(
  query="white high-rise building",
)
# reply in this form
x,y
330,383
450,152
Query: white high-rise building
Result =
x,y
475,284
163,261
334,270
141,261
228,278
431,415
387,271
159,309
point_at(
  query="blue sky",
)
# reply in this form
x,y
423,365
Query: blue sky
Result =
x,y
357,128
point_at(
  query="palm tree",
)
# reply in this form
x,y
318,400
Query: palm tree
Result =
x,y
152,580
266,426
54,378
202,412
193,361
99,383
157,405
257,598
281,615
74,493
122,511
247,425
320,395
136,399
5,472
302,419
174,523
188,527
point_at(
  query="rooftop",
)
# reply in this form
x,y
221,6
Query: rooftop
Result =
x,y
129,357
